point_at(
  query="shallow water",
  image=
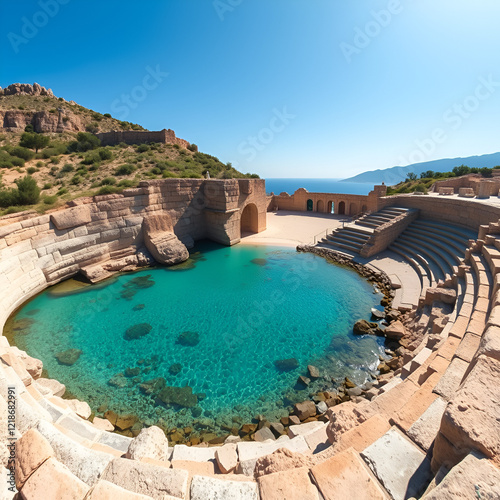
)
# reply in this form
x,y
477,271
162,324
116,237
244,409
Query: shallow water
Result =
x,y
216,324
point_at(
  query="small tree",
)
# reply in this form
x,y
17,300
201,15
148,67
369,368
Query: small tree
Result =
x,y
411,176
193,148
28,191
29,128
34,141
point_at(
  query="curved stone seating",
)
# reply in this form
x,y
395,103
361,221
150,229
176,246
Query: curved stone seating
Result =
x,y
432,416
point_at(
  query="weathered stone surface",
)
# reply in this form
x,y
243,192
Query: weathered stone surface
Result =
x,y
342,475
424,430
313,371
211,488
473,477
54,481
31,451
193,453
342,418
85,464
399,465
290,485
281,460
81,408
146,479
103,424
50,386
305,410
160,240
472,418
395,331
363,327
33,366
446,295
71,217
264,434
104,490
151,443
490,343
452,378
304,429
227,458
69,357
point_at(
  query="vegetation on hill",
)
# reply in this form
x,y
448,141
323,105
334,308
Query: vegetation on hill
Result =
x,y
44,171
423,184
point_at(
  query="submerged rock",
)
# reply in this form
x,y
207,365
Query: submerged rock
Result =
x,y
175,369
181,396
140,282
152,386
313,371
188,339
259,262
118,380
132,372
22,325
286,365
363,327
138,307
69,357
137,331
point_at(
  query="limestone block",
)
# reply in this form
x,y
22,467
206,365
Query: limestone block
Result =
x,y
71,217
342,475
147,479
291,484
193,453
305,410
342,418
151,443
490,343
452,378
399,465
87,465
227,458
211,488
104,490
473,477
425,429
31,451
103,424
472,418
48,386
304,429
53,481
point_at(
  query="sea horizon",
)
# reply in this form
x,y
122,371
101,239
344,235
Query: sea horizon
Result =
x,y
279,185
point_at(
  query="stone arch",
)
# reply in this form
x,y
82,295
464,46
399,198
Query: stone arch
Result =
x,y
353,209
320,206
310,205
331,207
341,208
250,219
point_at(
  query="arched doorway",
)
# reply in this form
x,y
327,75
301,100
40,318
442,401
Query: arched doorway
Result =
x,y
309,205
320,206
342,208
353,209
331,207
250,219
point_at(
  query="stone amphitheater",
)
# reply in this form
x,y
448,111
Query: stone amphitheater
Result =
x,y
428,429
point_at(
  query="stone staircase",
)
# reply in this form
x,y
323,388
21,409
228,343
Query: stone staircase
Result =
x,y
353,236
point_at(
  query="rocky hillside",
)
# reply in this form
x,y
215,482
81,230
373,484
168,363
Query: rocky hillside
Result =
x,y
53,141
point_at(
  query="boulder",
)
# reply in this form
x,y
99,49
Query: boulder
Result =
x,y
227,458
150,443
71,217
104,490
81,408
68,357
50,386
342,419
263,434
313,371
137,331
181,396
188,339
103,424
281,460
446,295
377,314
277,428
303,381
286,365
160,240
363,327
395,331
305,410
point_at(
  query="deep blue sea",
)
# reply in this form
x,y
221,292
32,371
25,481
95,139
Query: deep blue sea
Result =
x,y
217,324
277,186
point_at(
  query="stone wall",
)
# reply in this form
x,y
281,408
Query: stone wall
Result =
x,y
480,185
140,137
348,204
38,251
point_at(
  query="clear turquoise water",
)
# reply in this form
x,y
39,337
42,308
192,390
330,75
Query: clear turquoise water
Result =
x,y
250,305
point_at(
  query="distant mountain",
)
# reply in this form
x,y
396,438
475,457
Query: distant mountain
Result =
x,y
394,175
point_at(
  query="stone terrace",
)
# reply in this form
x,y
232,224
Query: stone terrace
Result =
x,y
430,431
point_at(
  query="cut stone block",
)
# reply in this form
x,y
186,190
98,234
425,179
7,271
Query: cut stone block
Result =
x,y
468,347
146,479
116,441
53,481
193,453
399,465
71,217
227,458
452,378
424,430
304,429
211,488
104,490
473,477
343,474
292,484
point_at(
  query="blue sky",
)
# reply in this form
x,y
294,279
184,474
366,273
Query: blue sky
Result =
x,y
284,88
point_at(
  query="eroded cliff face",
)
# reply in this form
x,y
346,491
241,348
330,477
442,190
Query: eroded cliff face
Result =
x,y
42,121
26,89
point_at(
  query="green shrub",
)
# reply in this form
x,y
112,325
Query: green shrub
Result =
x,y
75,180
47,185
142,148
84,142
105,154
126,183
28,191
49,200
193,148
155,171
40,164
125,169
107,190
167,174
24,153
53,110
93,128
420,188
62,191
8,197
97,116
107,115
108,181
31,170
34,141
94,167
18,162
55,160
29,128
